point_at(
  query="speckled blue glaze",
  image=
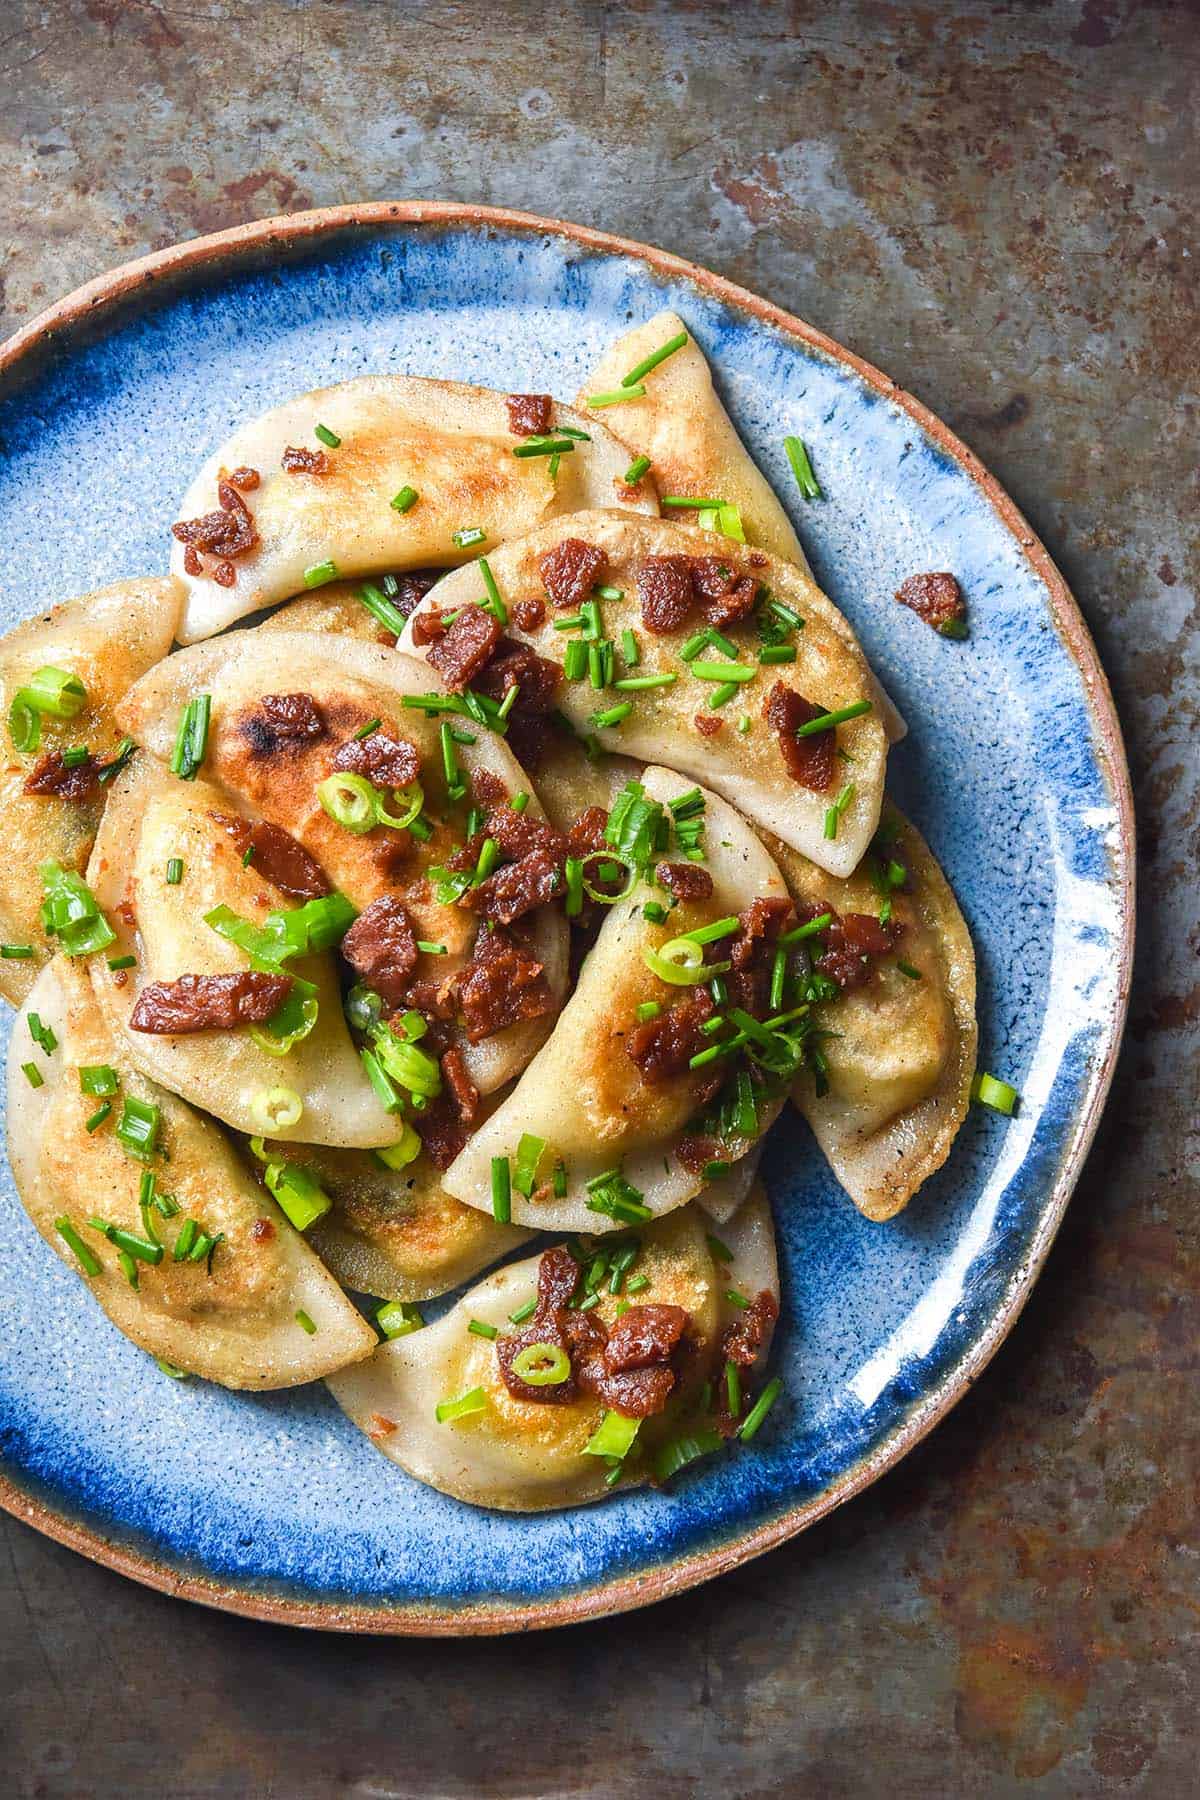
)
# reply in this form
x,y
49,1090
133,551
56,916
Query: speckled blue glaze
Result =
x,y
1002,770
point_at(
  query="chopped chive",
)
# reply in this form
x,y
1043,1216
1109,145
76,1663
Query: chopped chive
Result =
x,y
120,757
834,812
467,536
629,648
42,1035
802,469
365,731
519,802
990,1091
777,653
77,754
906,968
16,952
122,962
480,1328
575,660
745,724
760,1409
737,1299
32,1074
404,501
138,1126
456,787
685,503
191,740
552,447
636,470
613,716
523,1312
188,1233
98,1117
723,671
778,975
558,1180
432,949
721,696
573,869
635,391
720,1250
638,1285
571,624
398,1318
489,856
826,721
637,684
305,1322
655,357
733,1389
129,1267
501,1190
649,1009
809,930
317,574
381,608
327,437
654,912
88,1260
174,872
496,604
98,1080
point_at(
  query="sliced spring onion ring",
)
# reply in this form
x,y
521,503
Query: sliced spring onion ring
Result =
x,y
276,1109
541,1365
681,963
350,800
612,858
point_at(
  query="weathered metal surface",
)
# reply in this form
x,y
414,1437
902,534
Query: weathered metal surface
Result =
x,y
998,205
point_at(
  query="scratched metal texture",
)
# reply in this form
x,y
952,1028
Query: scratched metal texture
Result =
x,y
996,203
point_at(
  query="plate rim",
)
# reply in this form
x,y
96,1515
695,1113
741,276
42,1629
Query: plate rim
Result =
x,y
102,296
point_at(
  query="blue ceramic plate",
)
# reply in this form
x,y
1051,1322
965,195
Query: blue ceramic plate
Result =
x,y
274,1504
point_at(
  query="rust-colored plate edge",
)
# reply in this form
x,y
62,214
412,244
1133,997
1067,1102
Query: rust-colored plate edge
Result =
x,y
621,1595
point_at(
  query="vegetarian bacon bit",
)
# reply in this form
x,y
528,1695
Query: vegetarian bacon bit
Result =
x,y
744,1339
666,593
209,1002
937,599
465,648
851,940
262,1231
810,760
630,1370
459,1086
687,881
503,984
663,1047
587,833
60,781
516,835
516,888
381,946
529,414
516,665
751,952
226,534
297,460
387,761
570,571
244,479
726,595
277,856
280,720
487,788
529,614
442,1134
428,627
708,724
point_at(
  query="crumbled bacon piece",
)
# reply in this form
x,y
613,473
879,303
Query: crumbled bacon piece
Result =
x,y
226,534
810,760
428,627
281,720
381,946
245,479
587,833
743,1340
666,593
517,665
262,1231
752,950
516,888
687,881
630,1370
412,589
516,835
461,1088
708,724
503,984
488,788
277,856
465,647
936,598
663,1047
209,1002
529,614
442,1134
62,781
297,459
192,564
529,415
851,941
726,595
570,571
387,761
